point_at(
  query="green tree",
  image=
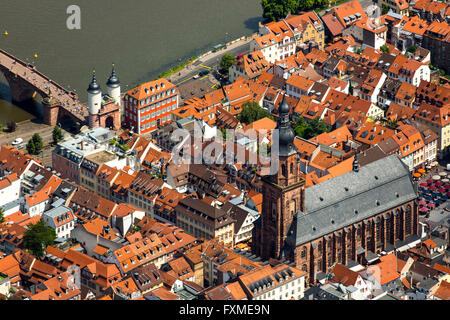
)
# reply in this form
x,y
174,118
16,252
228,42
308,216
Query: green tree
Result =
x,y
306,4
251,111
391,124
411,49
31,148
38,144
226,62
385,9
300,127
316,127
274,10
2,215
310,129
57,134
38,237
384,48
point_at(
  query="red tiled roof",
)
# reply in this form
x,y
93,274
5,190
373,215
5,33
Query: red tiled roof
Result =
x,y
344,275
14,160
144,90
443,292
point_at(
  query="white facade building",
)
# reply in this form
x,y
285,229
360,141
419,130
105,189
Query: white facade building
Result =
x,y
61,219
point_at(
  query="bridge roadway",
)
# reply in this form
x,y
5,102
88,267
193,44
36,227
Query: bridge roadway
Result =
x,y
44,85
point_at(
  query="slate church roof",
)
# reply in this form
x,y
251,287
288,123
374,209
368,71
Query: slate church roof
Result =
x,y
352,197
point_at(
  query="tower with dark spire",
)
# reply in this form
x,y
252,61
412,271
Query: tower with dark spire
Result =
x,y
94,101
283,191
286,134
113,86
94,87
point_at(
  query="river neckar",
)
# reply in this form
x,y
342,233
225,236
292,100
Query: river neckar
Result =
x,y
142,38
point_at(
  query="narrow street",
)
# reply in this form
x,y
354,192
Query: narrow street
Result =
x,y
209,61
26,130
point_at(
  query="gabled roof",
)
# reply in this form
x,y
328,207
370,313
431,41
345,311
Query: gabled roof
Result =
x,y
253,64
431,113
150,88
339,202
346,10
340,134
92,202
406,92
399,112
443,292
14,160
344,275
8,180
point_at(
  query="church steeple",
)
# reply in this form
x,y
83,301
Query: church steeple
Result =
x,y
283,191
286,134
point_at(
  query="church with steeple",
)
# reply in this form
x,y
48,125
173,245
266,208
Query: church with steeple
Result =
x,y
283,191
349,219
104,108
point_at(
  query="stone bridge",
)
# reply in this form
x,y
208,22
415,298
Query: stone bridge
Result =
x,y
25,81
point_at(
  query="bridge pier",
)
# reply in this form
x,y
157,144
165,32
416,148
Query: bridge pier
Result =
x,y
20,90
51,111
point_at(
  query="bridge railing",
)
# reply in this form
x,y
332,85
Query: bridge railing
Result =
x,y
37,72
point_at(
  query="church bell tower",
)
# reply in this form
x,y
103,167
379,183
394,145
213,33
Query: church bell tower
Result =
x,y
283,191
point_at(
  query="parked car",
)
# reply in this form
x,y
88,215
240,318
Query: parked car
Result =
x,y
203,73
196,76
17,141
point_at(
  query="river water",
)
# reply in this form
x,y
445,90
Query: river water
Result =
x,y
142,37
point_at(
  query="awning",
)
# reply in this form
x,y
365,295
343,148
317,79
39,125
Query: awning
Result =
x,y
337,234
385,216
360,250
356,225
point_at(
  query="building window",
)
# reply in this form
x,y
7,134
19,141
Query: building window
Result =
x,y
408,219
398,226
304,252
283,170
378,231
